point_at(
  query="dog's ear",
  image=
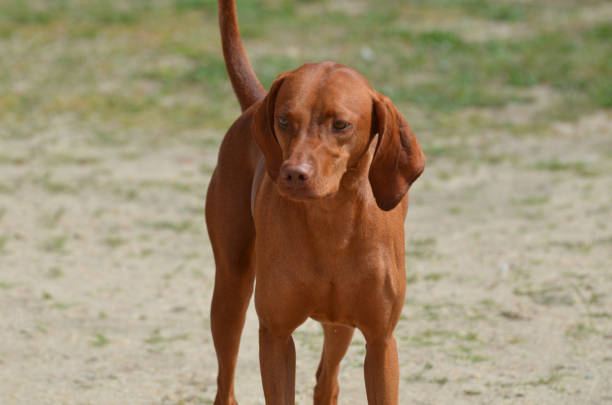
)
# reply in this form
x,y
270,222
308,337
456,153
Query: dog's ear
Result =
x,y
263,130
398,160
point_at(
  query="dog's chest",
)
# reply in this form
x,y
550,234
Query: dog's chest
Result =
x,y
325,249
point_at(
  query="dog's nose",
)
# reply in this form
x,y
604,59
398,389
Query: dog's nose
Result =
x,y
296,175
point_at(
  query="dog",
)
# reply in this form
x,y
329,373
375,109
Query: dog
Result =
x,y
309,197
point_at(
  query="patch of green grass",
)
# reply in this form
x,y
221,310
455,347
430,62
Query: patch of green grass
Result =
x,y
206,71
170,275
488,303
419,376
580,331
556,165
69,159
146,252
12,160
157,338
107,12
600,32
516,340
46,296
50,220
547,295
102,12
432,311
496,159
533,200
21,12
436,337
414,378
466,353
3,240
512,315
55,244
434,276
114,242
270,66
108,138
182,5
178,227
313,339
488,9
576,246
437,71
555,376
61,305
445,41
596,298
206,168
454,210
474,74
568,61
9,187
4,285
421,248
126,192
456,92
99,340
458,153
174,185
55,187
54,272
440,380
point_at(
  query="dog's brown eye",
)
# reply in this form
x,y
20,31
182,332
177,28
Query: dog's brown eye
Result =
x,y
283,122
340,125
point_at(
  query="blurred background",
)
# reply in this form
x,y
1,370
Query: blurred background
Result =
x,y
111,115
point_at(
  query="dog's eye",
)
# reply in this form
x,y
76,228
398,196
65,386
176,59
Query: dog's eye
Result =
x,y
340,125
283,122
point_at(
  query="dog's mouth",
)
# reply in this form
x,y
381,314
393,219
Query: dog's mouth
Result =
x,y
304,193
297,193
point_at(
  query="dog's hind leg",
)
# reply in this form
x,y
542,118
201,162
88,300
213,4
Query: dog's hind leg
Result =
x,y
336,343
232,235
232,244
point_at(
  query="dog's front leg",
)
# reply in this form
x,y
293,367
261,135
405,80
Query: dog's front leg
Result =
x,y
381,371
337,340
277,362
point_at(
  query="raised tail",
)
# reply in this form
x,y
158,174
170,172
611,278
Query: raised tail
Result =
x,y
247,87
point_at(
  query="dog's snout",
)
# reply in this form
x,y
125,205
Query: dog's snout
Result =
x,y
296,175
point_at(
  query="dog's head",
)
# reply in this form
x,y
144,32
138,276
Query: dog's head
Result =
x,y
318,121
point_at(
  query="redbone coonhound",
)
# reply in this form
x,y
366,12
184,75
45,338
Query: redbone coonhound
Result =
x,y
309,196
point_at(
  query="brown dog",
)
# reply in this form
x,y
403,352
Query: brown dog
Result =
x,y
310,196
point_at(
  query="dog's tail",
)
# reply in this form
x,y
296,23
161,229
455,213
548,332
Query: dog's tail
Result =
x,y
247,87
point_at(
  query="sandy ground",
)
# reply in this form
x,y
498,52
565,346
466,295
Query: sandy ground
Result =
x,y
106,274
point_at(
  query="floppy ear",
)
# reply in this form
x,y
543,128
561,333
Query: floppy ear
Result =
x,y
263,129
398,160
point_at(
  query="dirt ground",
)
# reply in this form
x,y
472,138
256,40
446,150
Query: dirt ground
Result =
x,y
107,274
110,123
